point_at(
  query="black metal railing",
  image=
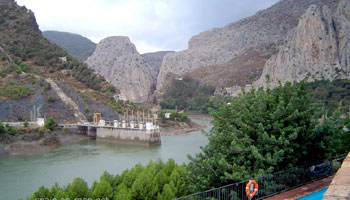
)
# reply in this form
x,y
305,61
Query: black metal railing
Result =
x,y
274,183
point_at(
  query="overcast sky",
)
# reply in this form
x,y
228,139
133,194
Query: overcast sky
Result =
x,y
152,25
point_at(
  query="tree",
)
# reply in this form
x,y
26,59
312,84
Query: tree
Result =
x,y
262,132
103,190
50,124
2,129
89,117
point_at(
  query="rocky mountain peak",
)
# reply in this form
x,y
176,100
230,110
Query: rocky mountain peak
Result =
x,y
117,59
319,46
116,46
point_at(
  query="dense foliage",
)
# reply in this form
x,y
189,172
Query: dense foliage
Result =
x,y
50,124
157,180
187,94
7,130
266,131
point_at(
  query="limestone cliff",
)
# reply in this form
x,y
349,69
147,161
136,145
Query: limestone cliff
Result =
x,y
117,59
319,46
227,46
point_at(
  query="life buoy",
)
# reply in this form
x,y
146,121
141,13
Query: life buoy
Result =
x,y
251,195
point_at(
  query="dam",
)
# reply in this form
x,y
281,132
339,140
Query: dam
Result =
x,y
123,132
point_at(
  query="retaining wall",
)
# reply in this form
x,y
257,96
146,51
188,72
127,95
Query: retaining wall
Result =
x,y
339,189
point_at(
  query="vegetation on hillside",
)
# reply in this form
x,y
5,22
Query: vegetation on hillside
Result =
x,y
174,116
333,94
186,94
156,180
24,51
14,91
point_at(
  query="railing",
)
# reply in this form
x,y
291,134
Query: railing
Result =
x,y
272,184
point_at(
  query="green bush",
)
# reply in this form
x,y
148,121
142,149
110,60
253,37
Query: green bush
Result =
x,y
51,99
41,132
89,117
47,86
50,124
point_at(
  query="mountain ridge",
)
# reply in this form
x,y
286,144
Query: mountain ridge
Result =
x,y
263,31
75,44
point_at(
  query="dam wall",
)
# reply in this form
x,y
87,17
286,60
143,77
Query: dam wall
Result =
x,y
129,136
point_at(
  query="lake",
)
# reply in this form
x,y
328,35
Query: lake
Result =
x,y
22,175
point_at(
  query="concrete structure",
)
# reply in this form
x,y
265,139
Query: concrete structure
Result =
x,y
40,121
339,189
167,115
128,133
97,118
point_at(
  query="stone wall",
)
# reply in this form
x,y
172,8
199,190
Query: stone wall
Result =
x,y
340,186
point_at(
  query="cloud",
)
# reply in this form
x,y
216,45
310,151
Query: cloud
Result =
x,y
151,24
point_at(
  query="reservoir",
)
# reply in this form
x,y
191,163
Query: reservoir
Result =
x,y
22,175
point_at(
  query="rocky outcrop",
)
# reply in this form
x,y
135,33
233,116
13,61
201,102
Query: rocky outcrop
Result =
x,y
267,29
318,47
117,59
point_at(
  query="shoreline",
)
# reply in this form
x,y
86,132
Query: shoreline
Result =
x,y
32,143
183,128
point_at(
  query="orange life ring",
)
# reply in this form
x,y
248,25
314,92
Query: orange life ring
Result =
x,y
251,195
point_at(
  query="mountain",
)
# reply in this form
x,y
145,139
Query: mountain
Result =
x,y
117,59
319,47
155,59
238,49
39,79
75,44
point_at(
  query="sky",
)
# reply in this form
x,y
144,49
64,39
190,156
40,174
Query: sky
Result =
x,y
152,25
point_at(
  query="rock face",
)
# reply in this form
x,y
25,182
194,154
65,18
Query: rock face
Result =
x,y
319,46
117,59
155,59
265,30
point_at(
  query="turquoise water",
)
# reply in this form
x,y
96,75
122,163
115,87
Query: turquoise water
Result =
x,y
21,175
314,196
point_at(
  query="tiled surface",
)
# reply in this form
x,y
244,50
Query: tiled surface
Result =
x,y
303,190
340,186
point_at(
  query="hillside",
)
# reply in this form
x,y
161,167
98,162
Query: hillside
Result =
x,y
247,43
40,79
75,44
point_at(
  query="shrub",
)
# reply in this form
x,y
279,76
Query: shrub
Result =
x,y
47,86
50,124
51,99
89,117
